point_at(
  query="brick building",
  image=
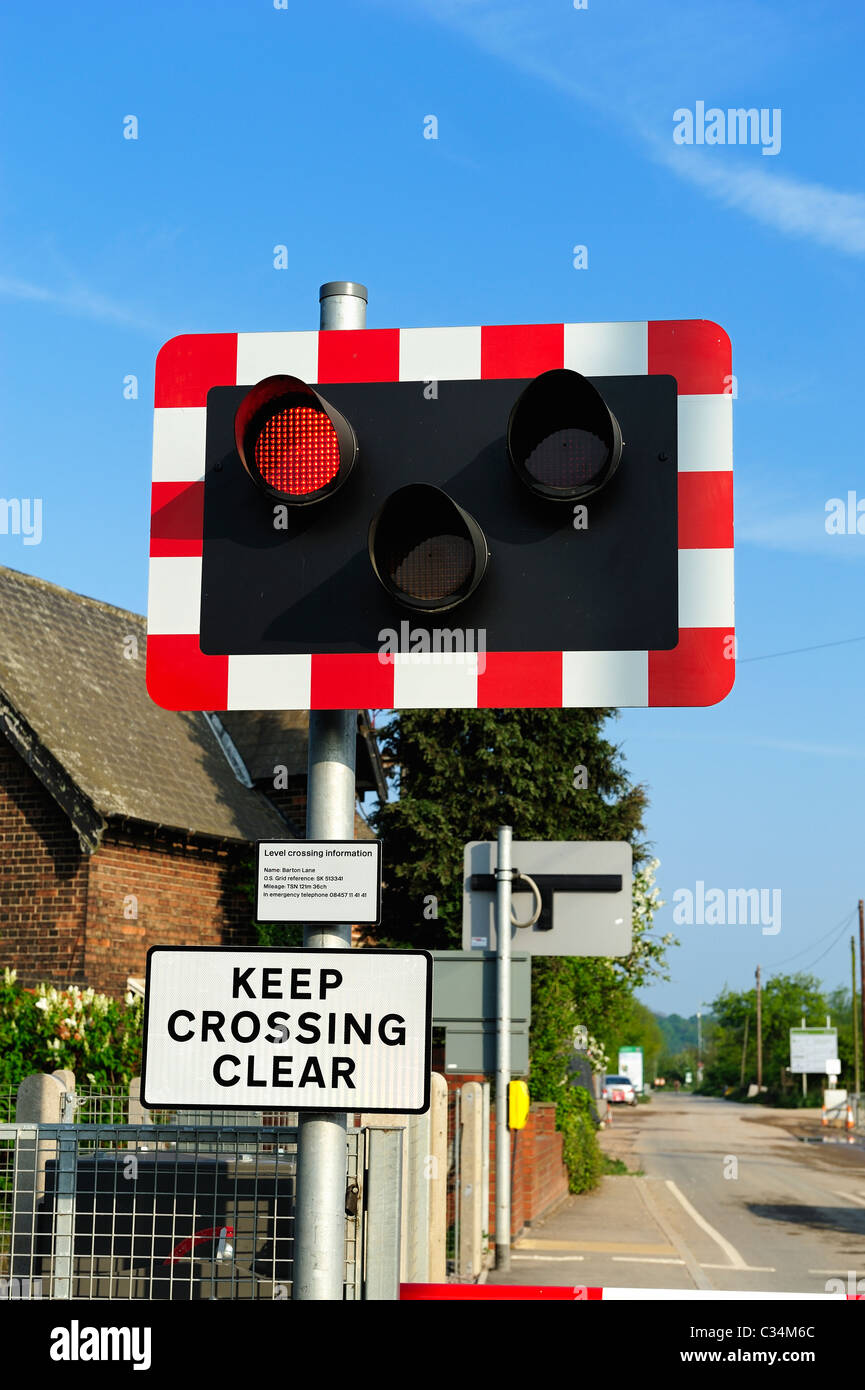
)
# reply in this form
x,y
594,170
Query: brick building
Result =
x,y
123,825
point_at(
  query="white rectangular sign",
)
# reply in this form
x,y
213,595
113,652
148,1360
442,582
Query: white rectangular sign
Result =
x,y
586,922
812,1048
271,1028
325,881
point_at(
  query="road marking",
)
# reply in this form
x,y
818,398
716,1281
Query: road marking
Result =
x,y
702,1282
598,1247
750,1269
645,1260
849,1196
736,1261
550,1259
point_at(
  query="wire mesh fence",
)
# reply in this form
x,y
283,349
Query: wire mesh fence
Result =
x,y
105,1105
175,1211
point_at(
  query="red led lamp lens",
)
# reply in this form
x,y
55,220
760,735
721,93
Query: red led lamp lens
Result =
x,y
297,451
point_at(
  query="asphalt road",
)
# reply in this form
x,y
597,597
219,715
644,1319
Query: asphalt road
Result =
x,y
727,1200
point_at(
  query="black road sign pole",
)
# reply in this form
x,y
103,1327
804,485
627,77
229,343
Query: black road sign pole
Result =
x,y
321,1151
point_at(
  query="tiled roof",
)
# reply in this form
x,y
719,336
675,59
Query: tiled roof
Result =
x,y
267,739
73,669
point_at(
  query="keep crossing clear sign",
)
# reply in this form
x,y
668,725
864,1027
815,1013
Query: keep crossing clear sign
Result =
x,y
267,1028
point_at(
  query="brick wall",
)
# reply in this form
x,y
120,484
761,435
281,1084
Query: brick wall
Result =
x,y
538,1175
146,892
539,1178
43,880
67,917
291,802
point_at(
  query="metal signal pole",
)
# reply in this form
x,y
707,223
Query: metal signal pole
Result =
x,y
319,1261
504,874
855,1015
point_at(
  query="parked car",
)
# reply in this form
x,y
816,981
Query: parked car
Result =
x,y
619,1090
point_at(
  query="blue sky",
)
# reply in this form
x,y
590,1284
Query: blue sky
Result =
x,y
304,126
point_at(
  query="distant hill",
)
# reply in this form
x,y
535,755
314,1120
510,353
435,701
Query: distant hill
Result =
x,y
678,1032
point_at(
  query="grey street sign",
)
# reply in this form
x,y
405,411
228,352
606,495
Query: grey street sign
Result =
x,y
473,1049
464,987
464,1004
586,892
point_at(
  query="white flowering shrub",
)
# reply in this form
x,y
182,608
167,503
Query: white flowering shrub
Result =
x,y
46,1028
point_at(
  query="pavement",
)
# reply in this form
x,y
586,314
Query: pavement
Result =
x,y
724,1197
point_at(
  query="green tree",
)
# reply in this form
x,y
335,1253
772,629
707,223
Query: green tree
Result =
x,y
638,1028
679,1052
786,1000
462,774
680,1034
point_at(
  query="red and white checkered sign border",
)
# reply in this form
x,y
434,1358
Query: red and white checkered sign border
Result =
x,y
423,1293
698,671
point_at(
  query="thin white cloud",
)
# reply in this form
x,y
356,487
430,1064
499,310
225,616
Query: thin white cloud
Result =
x,y
653,57
817,750
76,300
777,520
792,206
799,532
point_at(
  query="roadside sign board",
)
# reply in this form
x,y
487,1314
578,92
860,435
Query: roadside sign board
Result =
x,y
587,895
812,1048
464,988
631,1064
471,1049
465,1005
322,881
271,1028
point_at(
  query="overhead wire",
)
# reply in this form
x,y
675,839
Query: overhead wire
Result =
x,y
836,933
794,651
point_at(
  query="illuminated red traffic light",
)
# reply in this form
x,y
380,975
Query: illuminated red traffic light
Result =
x,y
292,442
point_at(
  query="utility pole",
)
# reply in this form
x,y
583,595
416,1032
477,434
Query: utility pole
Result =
x,y
699,1049
321,1142
855,1015
862,972
804,1074
759,1033
744,1049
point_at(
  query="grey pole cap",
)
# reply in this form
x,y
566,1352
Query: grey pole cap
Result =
x,y
350,287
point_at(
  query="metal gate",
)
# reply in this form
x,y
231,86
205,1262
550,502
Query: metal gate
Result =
x,y
172,1211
